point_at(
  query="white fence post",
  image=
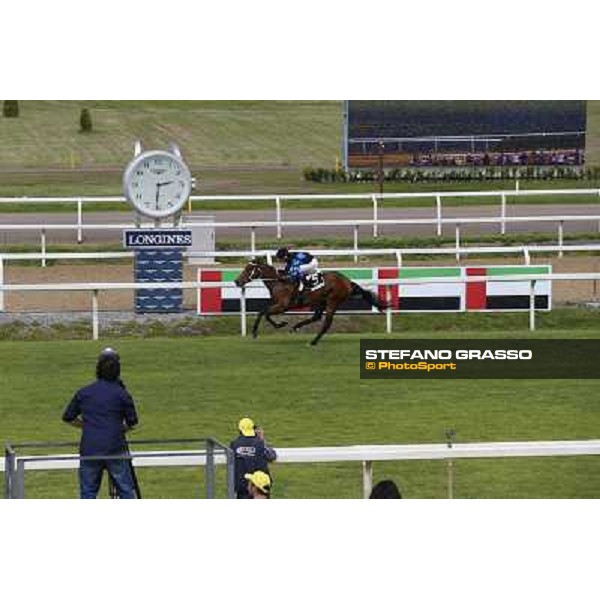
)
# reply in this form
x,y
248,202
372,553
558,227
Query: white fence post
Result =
x,y
503,213
278,216
375,216
253,241
457,241
561,226
399,258
95,327
388,309
438,207
367,477
243,324
43,236
79,220
532,305
1,283
355,243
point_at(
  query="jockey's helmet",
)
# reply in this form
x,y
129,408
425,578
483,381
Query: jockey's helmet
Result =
x,y
282,253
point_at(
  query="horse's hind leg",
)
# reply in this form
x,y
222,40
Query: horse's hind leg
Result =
x,y
326,325
317,316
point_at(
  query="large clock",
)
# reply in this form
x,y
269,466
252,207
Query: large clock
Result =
x,y
157,183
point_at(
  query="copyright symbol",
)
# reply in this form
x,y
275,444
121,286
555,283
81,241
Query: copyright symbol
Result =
x,y
370,366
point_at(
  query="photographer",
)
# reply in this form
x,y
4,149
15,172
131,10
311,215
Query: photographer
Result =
x,y
104,410
251,454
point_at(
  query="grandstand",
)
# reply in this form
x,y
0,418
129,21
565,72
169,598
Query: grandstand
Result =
x,y
448,133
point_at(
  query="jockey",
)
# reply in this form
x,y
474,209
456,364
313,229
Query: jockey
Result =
x,y
297,264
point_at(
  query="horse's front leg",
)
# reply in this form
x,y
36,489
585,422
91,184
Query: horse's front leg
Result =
x,y
273,309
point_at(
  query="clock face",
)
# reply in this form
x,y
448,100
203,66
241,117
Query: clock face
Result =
x,y
157,183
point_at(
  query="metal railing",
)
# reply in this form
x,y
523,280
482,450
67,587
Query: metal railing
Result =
x,y
367,455
214,453
95,288
397,253
353,224
374,199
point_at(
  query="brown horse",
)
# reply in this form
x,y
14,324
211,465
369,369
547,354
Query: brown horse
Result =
x,y
284,296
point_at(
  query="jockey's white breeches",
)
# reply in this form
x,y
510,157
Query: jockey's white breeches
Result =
x,y
310,267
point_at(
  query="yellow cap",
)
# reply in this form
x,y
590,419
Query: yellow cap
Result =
x,y
246,426
261,480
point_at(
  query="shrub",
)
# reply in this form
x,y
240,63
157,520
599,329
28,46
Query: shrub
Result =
x,y
85,121
10,108
414,175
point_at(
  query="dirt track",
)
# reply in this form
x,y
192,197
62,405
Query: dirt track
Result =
x,y
563,292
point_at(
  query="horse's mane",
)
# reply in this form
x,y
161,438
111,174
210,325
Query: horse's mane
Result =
x,y
265,267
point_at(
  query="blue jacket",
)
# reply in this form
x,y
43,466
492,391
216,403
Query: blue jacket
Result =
x,y
295,260
251,454
104,407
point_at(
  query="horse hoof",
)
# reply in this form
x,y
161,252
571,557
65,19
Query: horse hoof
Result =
x,y
254,335
282,324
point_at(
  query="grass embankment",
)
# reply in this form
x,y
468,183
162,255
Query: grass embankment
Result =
x,y
245,147
201,386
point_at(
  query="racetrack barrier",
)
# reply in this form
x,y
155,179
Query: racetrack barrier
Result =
x,y
95,288
373,199
214,452
434,297
367,455
353,224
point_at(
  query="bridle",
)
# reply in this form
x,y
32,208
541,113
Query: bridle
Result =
x,y
257,272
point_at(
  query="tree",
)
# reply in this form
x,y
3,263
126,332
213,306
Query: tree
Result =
x,y
85,121
10,108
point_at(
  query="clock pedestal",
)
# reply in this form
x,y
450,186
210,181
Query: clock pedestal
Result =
x,y
158,265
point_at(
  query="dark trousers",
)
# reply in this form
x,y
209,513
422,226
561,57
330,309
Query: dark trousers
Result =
x,y
90,478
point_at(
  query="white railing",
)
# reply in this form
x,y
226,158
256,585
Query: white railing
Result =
x,y
353,224
397,253
366,455
95,288
374,199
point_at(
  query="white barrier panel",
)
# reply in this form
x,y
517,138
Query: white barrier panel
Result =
x,y
368,453
415,296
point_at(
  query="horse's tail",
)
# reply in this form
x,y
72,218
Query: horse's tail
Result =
x,y
369,296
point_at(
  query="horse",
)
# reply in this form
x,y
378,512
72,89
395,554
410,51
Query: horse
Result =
x,y
284,296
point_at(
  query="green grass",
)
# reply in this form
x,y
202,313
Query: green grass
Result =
x,y
201,386
220,134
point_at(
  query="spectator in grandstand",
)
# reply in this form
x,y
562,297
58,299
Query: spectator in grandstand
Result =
x,y
385,490
251,454
104,410
259,485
